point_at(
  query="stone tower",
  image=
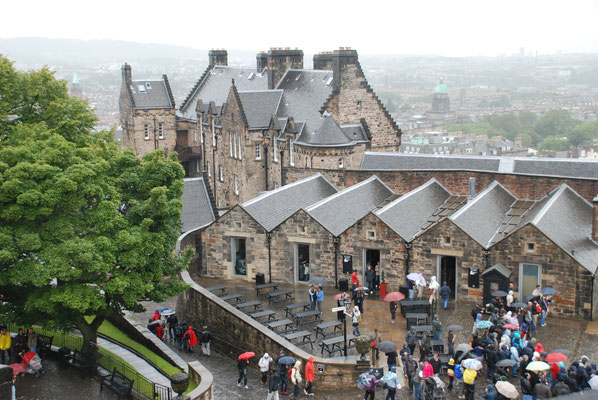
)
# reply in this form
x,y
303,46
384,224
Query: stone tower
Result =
x,y
218,57
279,61
441,101
76,90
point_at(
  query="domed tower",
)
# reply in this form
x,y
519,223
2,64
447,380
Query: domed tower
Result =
x,y
76,90
441,101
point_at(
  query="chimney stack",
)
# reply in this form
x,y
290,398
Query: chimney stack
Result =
x,y
340,59
127,75
279,61
323,61
261,61
217,57
471,194
595,220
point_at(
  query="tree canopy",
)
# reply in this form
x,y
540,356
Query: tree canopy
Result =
x,y
86,229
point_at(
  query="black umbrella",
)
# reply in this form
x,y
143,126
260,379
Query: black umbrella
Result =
x,y
528,298
506,363
387,347
454,328
318,282
464,355
547,291
463,347
518,305
499,293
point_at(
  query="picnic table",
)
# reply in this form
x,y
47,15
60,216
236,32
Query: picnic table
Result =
x,y
335,344
290,307
234,296
266,313
437,345
259,289
257,306
308,317
216,288
286,323
421,329
305,337
331,324
415,306
273,297
414,319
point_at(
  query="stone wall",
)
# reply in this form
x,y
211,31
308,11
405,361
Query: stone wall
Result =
x,y
235,332
134,134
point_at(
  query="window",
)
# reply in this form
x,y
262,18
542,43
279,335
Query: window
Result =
x,y
146,132
195,135
201,132
230,144
275,152
148,85
234,146
371,235
209,168
530,247
238,251
236,185
197,165
221,173
301,230
258,151
238,225
359,104
291,154
240,150
340,163
446,241
161,130
213,133
530,275
303,267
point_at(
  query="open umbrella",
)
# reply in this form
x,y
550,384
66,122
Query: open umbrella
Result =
x,y
506,363
463,355
160,309
337,296
415,276
464,347
287,360
394,296
318,282
507,389
387,347
483,324
538,366
562,351
363,288
247,355
555,358
548,291
155,322
167,312
499,293
510,326
454,328
472,363
528,298
518,305
593,382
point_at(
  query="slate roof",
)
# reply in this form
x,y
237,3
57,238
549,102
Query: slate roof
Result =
x,y
153,96
577,168
330,134
340,211
482,217
504,271
410,212
272,208
197,210
215,86
260,106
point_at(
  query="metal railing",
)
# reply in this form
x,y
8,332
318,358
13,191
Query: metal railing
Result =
x,y
141,384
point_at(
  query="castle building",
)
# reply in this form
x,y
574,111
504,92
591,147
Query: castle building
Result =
x,y
441,113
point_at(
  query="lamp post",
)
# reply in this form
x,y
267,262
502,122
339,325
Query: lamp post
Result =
x,y
336,241
268,243
486,256
406,256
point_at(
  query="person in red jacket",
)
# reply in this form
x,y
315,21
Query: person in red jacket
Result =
x,y
309,377
160,331
190,339
354,280
156,316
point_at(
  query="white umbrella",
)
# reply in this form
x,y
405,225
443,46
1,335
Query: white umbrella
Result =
x,y
507,389
472,363
166,313
537,366
594,382
415,276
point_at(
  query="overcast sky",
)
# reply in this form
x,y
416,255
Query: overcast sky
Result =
x,y
448,27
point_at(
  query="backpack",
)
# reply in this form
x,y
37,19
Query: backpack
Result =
x,y
290,373
458,372
362,381
469,376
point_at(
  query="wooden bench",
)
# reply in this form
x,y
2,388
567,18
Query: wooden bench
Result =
x,y
257,306
44,344
421,330
305,317
437,346
415,319
286,323
320,329
335,344
117,383
305,337
221,288
234,296
266,313
82,362
273,297
289,308
259,289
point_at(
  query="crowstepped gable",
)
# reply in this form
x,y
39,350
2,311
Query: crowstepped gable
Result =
x,y
243,129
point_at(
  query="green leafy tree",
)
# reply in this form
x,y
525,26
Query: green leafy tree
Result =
x,y
86,229
586,132
554,143
555,123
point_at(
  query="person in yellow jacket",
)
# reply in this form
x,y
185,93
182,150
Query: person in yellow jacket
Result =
x,y
5,343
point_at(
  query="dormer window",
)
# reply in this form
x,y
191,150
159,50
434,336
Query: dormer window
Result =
x,y
148,85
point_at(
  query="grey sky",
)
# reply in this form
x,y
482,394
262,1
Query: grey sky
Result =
x,y
452,28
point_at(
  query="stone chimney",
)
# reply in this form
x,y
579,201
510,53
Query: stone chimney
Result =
x,y
471,193
279,61
323,60
261,61
217,57
342,58
595,220
127,75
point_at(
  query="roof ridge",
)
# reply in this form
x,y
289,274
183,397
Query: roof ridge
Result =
x,y
285,187
342,192
194,89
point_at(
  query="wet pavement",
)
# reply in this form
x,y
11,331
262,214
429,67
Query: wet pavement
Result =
x,y
577,336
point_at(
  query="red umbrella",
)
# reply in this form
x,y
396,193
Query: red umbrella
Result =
x,y
247,355
510,326
337,296
394,296
555,358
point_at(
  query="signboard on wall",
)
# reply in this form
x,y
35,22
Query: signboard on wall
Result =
x,y
473,278
347,264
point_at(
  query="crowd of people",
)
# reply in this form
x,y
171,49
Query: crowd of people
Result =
x,y
12,349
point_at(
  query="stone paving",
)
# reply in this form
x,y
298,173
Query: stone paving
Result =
x,y
578,336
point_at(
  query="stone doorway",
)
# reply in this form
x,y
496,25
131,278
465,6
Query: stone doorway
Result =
x,y
447,272
372,257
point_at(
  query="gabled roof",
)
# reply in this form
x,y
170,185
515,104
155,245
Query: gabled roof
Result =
x,y
409,213
197,210
260,106
501,269
272,208
150,94
558,167
340,211
215,85
482,217
330,134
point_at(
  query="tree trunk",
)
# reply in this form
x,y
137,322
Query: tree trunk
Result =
x,y
90,337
